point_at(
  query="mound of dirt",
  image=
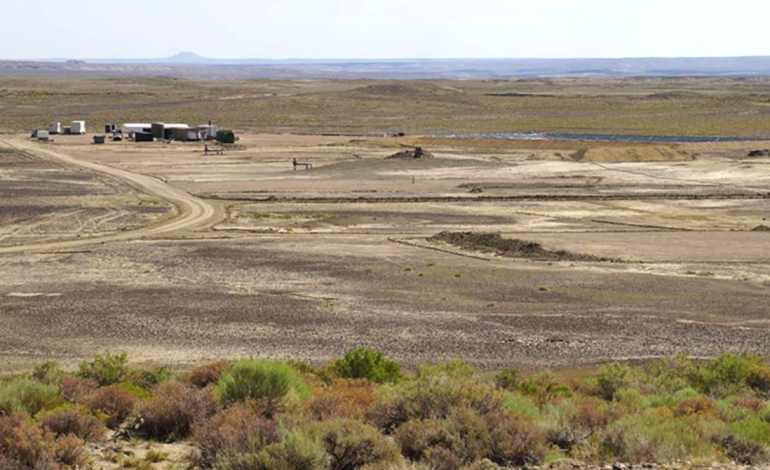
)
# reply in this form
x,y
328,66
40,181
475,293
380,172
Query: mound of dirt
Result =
x,y
509,247
761,228
759,153
411,154
631,154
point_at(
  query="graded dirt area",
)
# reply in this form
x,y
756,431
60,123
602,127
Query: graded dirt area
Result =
x,y
308,263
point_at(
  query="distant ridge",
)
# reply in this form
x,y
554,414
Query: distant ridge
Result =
x,y
191,65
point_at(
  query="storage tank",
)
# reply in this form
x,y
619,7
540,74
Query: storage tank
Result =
x,y
78,127
54,128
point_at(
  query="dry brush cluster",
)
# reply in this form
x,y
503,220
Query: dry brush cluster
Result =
x,y
362,411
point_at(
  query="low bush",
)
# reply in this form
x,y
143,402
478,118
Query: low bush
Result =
x,y
342,399
270,384
754,431
239,429
610,379
295,450
48,373
74,389
508,379
754,404
364,363
521,405
515,441
465,435
75,421
352,444
726,375
34,447
657,437
744,451
758,378
207,374
28,396
149,378
704,407
111,403
173,411
106,370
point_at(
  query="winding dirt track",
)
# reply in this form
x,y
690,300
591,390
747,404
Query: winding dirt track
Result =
x,y
192,213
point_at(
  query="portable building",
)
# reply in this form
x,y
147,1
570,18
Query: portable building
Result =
x,y
208,132
54,128
109,128
159,130
42,135
143,137
183,134
147,128
78,127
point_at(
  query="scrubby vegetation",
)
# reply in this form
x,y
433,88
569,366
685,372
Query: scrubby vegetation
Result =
x,y
362,411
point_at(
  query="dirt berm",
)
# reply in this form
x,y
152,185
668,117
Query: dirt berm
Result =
x,y
631,154
509,247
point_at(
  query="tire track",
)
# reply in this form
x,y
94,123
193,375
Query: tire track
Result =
x,y
192,213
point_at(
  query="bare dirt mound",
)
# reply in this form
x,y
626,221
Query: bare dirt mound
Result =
x,y
761,228
632,154
509,247
411,154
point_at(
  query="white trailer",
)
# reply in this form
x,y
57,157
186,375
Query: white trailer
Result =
x,y
54,128
137,127
42,135
78,127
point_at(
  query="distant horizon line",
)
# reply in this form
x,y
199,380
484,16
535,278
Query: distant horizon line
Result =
x,y
195,56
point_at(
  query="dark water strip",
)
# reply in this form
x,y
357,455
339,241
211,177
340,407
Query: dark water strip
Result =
x,y
662,139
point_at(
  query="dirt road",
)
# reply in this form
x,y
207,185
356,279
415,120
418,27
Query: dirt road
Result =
x,y
192,213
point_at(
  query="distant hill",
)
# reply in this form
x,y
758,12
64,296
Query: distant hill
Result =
x,y
190,65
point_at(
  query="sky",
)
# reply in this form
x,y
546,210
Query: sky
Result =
x,y
375,29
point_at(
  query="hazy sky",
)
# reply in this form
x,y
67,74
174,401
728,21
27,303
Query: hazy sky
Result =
x,y
382,28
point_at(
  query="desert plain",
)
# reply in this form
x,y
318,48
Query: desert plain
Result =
x,y
180,257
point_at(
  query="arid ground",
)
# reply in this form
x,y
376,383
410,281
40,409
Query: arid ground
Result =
x,y
253,258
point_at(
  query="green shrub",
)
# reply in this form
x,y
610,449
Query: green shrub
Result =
x,y
173,411
521,405
610,379
754,431
352,444
149,378
75,421
111,403
657,437
726,375
105,370
508,379
28,396
269,383
296,450
48,373
433,397
758,378
364,363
